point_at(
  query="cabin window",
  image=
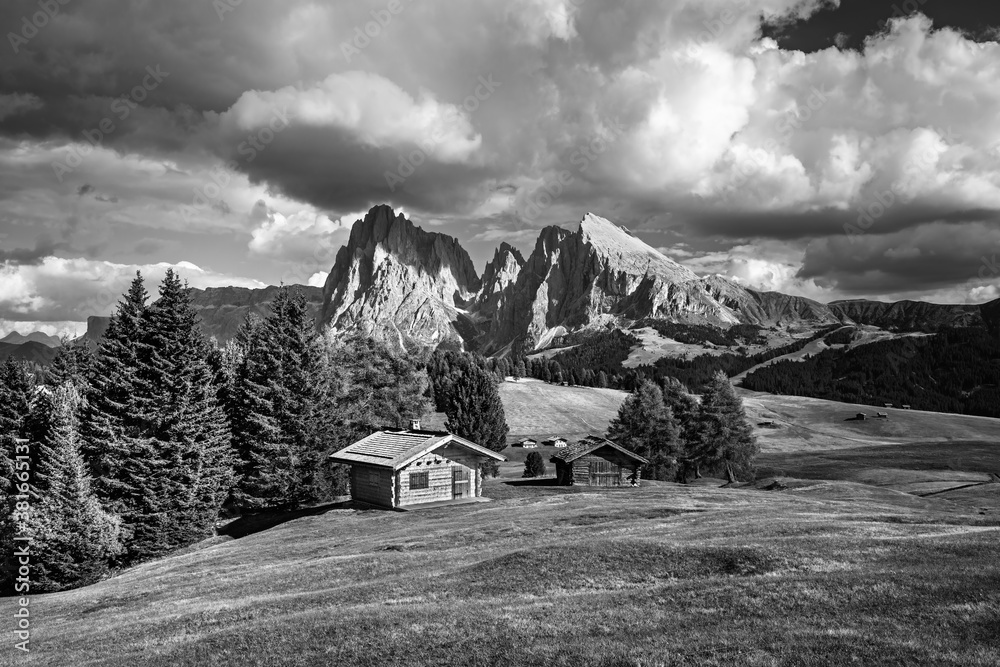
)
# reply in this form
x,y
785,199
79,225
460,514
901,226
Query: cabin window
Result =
x,y
418,480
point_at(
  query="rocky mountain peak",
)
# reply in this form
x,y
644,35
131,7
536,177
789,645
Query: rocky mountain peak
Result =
x,y
627,252
399,282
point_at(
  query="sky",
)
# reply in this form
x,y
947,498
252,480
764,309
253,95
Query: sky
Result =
x,y
830,149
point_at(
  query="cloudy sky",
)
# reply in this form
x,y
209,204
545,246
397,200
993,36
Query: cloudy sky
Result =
x,y
830,149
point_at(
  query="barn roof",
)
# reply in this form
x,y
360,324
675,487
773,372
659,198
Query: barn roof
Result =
x,y
592,443
396,449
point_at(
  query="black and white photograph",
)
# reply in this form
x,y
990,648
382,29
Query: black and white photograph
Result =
x,y
582,333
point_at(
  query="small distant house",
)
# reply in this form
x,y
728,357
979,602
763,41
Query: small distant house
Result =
x,y
555,442
906,407
881,415
527,443
861,416
888,405
397,468
595,461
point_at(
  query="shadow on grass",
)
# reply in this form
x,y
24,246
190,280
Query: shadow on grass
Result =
x,y
255,523
533,481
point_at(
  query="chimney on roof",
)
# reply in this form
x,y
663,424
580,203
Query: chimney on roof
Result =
x,y
414,424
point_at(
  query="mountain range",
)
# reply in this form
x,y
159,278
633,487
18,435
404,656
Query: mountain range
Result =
x,y
419,289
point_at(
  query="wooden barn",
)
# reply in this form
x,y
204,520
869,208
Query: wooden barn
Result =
x,y
529,443
555,442
595,461
399,468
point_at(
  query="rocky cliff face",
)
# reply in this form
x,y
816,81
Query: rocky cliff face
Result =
x,y
598,274
223,309
397,282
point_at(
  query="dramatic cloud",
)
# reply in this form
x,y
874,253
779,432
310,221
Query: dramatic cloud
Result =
x,y
247,139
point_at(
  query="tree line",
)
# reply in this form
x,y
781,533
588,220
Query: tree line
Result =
x,y
952,371
683,437
139,447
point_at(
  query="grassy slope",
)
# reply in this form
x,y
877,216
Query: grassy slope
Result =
x,y
818,572
659,575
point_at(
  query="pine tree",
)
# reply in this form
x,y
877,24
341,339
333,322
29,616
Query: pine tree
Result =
x,y
519,370
646,426
16,388
190,467
111,422
71,364
363,386
534,466
293,335
602,380
475,411
685,408
73,538
724,439
266,470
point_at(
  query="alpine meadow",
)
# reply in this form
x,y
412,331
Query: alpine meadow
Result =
x,y
545,332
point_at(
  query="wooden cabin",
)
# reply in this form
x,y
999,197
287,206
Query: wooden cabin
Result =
x,y
398,468
861,416
555,442
595,461
528,443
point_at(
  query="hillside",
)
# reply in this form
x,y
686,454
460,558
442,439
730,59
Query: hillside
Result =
x,y
780,572
541,576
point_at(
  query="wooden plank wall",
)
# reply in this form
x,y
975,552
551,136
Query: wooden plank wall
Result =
x,y
581,466
438,464
372,485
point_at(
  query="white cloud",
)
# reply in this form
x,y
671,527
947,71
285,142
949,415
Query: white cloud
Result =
x,y
59,290
318,279
373,109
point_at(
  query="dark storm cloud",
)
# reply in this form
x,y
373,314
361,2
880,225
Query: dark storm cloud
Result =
x,y
927,257
723,135
799,225
44,247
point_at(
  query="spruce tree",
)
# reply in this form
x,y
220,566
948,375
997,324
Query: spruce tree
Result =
x,y
293,335
189,470
71,364
16,388
363,386
266,470
475,411
534,466
73,538
685,408
646,426
602,380
111,423
724,440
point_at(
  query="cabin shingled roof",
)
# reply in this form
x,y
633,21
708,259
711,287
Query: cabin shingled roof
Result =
x,y
589,444
396,448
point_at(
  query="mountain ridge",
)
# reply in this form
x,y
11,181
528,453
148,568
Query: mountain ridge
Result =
x,y
417,289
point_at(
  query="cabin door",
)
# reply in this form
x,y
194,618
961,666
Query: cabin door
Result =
x,y
604,473
460,483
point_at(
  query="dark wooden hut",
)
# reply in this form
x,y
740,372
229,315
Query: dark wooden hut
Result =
x,y
595,461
